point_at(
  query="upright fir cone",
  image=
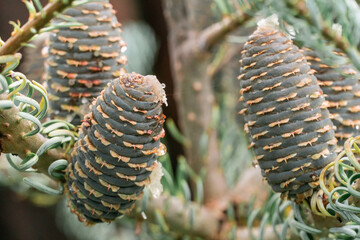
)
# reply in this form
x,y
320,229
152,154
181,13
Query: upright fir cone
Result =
x,y
116,154
341,87
289,126
83,59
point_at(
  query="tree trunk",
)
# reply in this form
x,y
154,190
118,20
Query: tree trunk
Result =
x,y
193,89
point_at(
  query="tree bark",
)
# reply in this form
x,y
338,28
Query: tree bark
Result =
x,y
180,217
12,140
193,37
193,90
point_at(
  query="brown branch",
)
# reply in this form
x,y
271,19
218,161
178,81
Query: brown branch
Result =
x,y
206,222
13,44
192,87
174,11
12,130
177,216
189,51
250,185
209,223
199,14
210,36
243,233
216,32
12,127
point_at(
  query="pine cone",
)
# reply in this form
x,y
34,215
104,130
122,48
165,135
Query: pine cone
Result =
x,y
341,87
289,127
117,149
83,59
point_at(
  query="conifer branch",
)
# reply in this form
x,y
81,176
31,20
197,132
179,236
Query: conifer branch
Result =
x,y
185,218
12,140
206,222
340,42
26,32
218,31
213,34
191,218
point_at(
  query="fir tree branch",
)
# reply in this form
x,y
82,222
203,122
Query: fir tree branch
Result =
x,y
26,32
181,217
12,130
216,32
206,222
190,46
210,36
328,33
199,14
193,85
268,233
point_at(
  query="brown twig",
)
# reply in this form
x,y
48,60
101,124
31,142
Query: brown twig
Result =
x,y
12,130
216,32
177,215
243,233
13,44
210,36
205,223
12,127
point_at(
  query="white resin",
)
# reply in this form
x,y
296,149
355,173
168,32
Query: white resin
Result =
x,y
155,186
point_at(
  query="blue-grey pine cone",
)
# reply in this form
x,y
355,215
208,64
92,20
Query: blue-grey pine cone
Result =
x,y
341,87
117,149
289,127
82,60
